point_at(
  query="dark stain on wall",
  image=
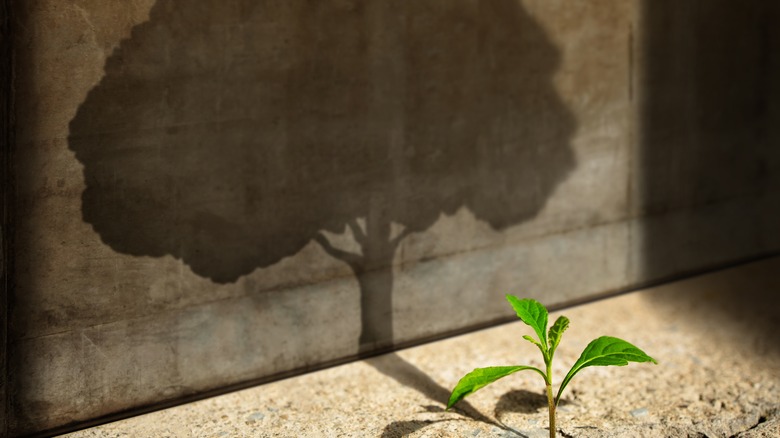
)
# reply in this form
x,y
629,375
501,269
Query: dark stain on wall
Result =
x,y
230,134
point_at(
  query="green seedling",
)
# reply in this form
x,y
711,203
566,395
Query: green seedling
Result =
x,y
602,351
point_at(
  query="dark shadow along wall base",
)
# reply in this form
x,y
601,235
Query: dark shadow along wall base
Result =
x,y
709,137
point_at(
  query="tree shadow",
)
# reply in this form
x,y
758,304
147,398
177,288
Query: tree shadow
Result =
x,y
230,134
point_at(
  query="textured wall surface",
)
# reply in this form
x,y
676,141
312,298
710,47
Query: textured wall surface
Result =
x,y
6,49
709,159
214,192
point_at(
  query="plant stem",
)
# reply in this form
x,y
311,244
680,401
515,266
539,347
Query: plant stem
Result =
x,y
550,401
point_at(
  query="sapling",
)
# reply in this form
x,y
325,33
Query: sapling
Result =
x,y
602,351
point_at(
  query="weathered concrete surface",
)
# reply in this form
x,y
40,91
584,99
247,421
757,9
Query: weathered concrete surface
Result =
x,y
718,376
162,250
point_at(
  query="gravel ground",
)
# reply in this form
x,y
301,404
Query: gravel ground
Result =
x,y
715,337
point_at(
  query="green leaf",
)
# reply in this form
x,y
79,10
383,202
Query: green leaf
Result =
x,y
556,331
532,313
605,351
481,377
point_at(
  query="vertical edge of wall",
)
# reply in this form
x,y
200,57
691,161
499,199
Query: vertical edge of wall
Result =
x,y
6,139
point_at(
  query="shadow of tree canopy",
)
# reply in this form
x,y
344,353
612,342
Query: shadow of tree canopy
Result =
x,y
231,133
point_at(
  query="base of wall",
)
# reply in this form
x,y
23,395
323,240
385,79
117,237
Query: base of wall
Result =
x,y
706,332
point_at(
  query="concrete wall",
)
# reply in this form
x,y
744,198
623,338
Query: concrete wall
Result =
x,y
709,157
214,193
6,139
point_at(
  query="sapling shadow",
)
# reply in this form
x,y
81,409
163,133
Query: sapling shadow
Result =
x,y
521,401
602,351
403,372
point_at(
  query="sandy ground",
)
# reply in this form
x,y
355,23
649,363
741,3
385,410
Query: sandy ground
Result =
x,y
715,337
